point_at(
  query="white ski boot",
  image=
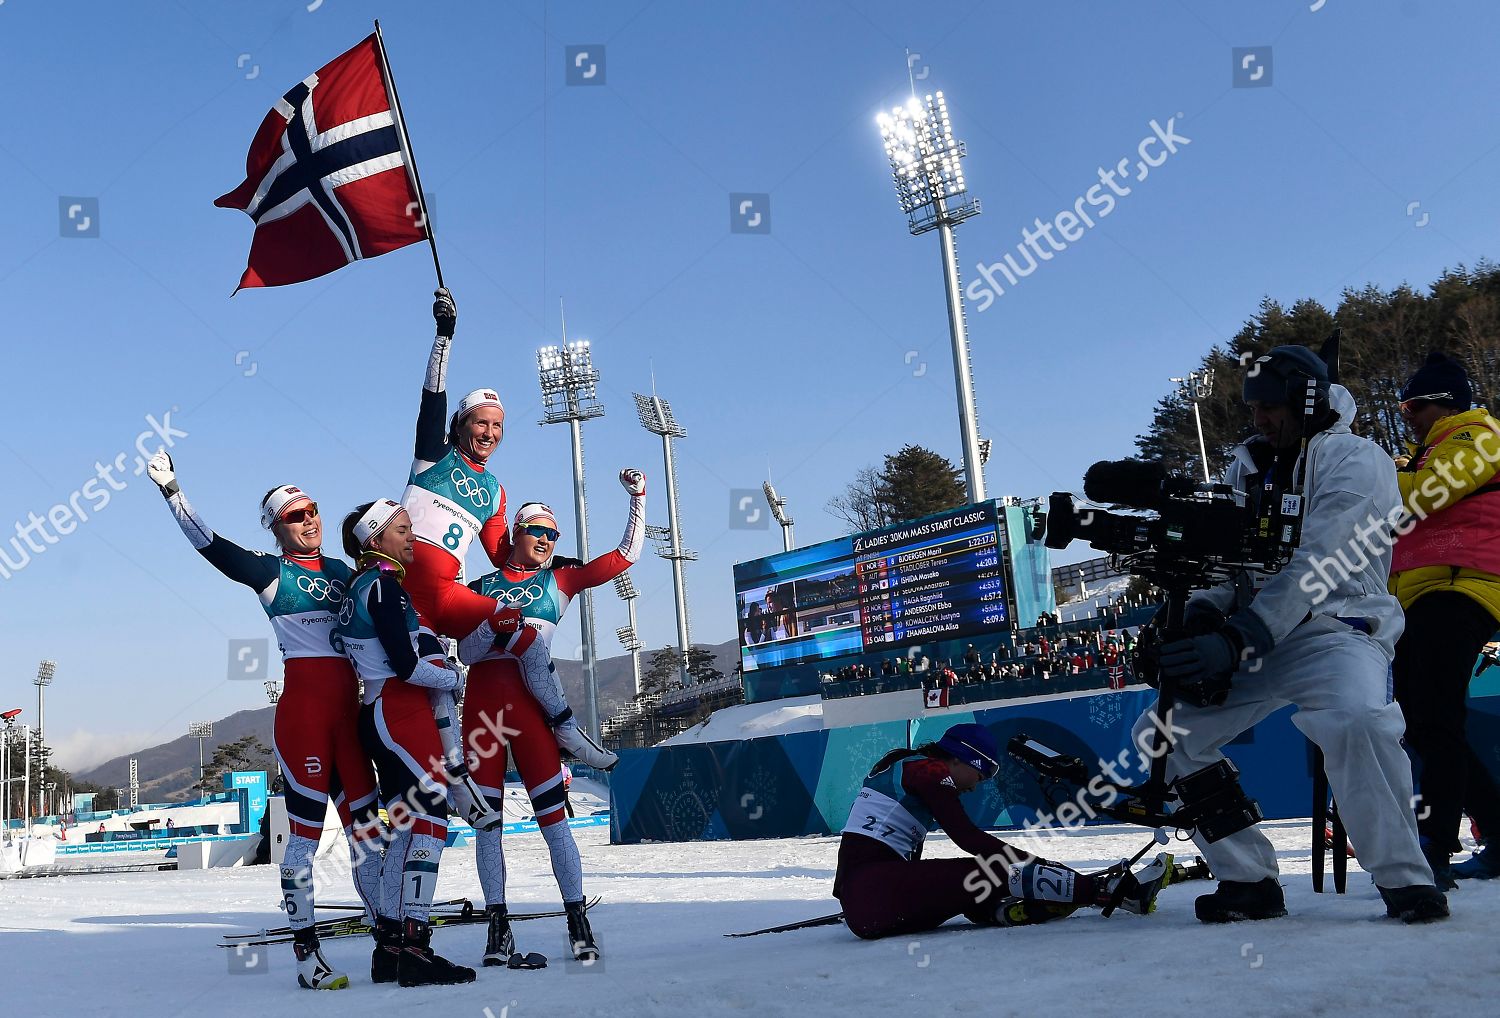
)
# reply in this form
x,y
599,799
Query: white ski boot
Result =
x,y
575,741
313,970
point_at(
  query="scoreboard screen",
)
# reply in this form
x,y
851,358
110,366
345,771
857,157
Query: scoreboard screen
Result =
x,y
937,578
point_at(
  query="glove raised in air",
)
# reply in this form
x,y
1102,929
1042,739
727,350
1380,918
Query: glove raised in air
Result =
x,y
159,469
633,481
444,312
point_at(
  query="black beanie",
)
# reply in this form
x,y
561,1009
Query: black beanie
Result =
x,y
1441,379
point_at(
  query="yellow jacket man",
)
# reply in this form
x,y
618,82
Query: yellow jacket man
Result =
x,y
1445,570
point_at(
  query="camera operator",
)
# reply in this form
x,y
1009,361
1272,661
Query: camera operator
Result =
x,y
1446,572
1284,643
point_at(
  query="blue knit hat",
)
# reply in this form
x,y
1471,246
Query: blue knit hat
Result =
x,y
1440,379
973,745
1281,375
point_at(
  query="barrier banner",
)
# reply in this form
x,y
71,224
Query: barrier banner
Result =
x,y
804,784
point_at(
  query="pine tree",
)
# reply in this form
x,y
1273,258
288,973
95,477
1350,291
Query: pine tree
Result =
x,y
701,665
247,753
918,482
662,673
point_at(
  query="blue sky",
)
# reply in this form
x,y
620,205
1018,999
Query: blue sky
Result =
x,y
812,350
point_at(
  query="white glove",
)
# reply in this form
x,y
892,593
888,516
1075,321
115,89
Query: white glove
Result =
x,y
159,469
633,481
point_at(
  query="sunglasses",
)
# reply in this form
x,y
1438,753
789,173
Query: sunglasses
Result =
x,y
542,532
1415,402
302,514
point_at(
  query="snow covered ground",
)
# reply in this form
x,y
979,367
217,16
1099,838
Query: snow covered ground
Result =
x,y
144,943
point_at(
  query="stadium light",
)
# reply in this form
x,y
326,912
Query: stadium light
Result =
x,y
273,691
1195,388
628,634
570,395
656,417
202,731
778,512
926,165
45,670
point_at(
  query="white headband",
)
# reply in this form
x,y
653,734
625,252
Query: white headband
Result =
x,y
376,519
477,399
534,511
279,501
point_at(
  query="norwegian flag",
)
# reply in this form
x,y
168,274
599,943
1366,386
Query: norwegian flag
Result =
x,y
327,180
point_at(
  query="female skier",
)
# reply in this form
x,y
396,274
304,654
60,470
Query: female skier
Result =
x,y
315,731
887,888
542,591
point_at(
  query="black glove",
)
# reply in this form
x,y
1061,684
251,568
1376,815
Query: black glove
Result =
x,y
1200,618
444,312
559,561
1197,670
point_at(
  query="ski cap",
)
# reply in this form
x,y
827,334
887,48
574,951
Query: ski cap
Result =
x,y
1440,379
975,746
476,399
275,504
533,511
1281,376
375,519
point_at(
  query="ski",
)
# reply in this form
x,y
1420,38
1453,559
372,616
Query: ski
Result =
x,y
827,920
336,928
322,924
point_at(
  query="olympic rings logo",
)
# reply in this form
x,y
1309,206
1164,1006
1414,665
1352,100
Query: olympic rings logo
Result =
x,y
320,588
470,489
521,597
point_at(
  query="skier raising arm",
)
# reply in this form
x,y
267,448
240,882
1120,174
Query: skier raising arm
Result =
x,y
450,496
531,593
315,731
535,587
887,888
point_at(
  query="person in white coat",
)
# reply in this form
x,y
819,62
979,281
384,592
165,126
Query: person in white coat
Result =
x,y
1320,634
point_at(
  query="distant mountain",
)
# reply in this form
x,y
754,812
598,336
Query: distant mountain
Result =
x,y
169,772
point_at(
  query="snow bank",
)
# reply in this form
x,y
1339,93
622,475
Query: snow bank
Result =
x,y
755,720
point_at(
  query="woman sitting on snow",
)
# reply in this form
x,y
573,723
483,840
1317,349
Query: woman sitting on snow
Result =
x,y
887,888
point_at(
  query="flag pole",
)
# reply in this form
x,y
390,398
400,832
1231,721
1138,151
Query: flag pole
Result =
x,y
406,153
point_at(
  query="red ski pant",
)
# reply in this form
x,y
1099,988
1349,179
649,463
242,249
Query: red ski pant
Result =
x,y
883,899
316,735
500,713
399,732
450,608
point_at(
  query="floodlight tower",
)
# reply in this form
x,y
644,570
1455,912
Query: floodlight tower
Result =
x,y
630,637
273,691
930,186
778,512
656,417
202,731
44,672
570,395
1195,388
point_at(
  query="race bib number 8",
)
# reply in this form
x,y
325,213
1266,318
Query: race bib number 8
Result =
x,y
454,537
